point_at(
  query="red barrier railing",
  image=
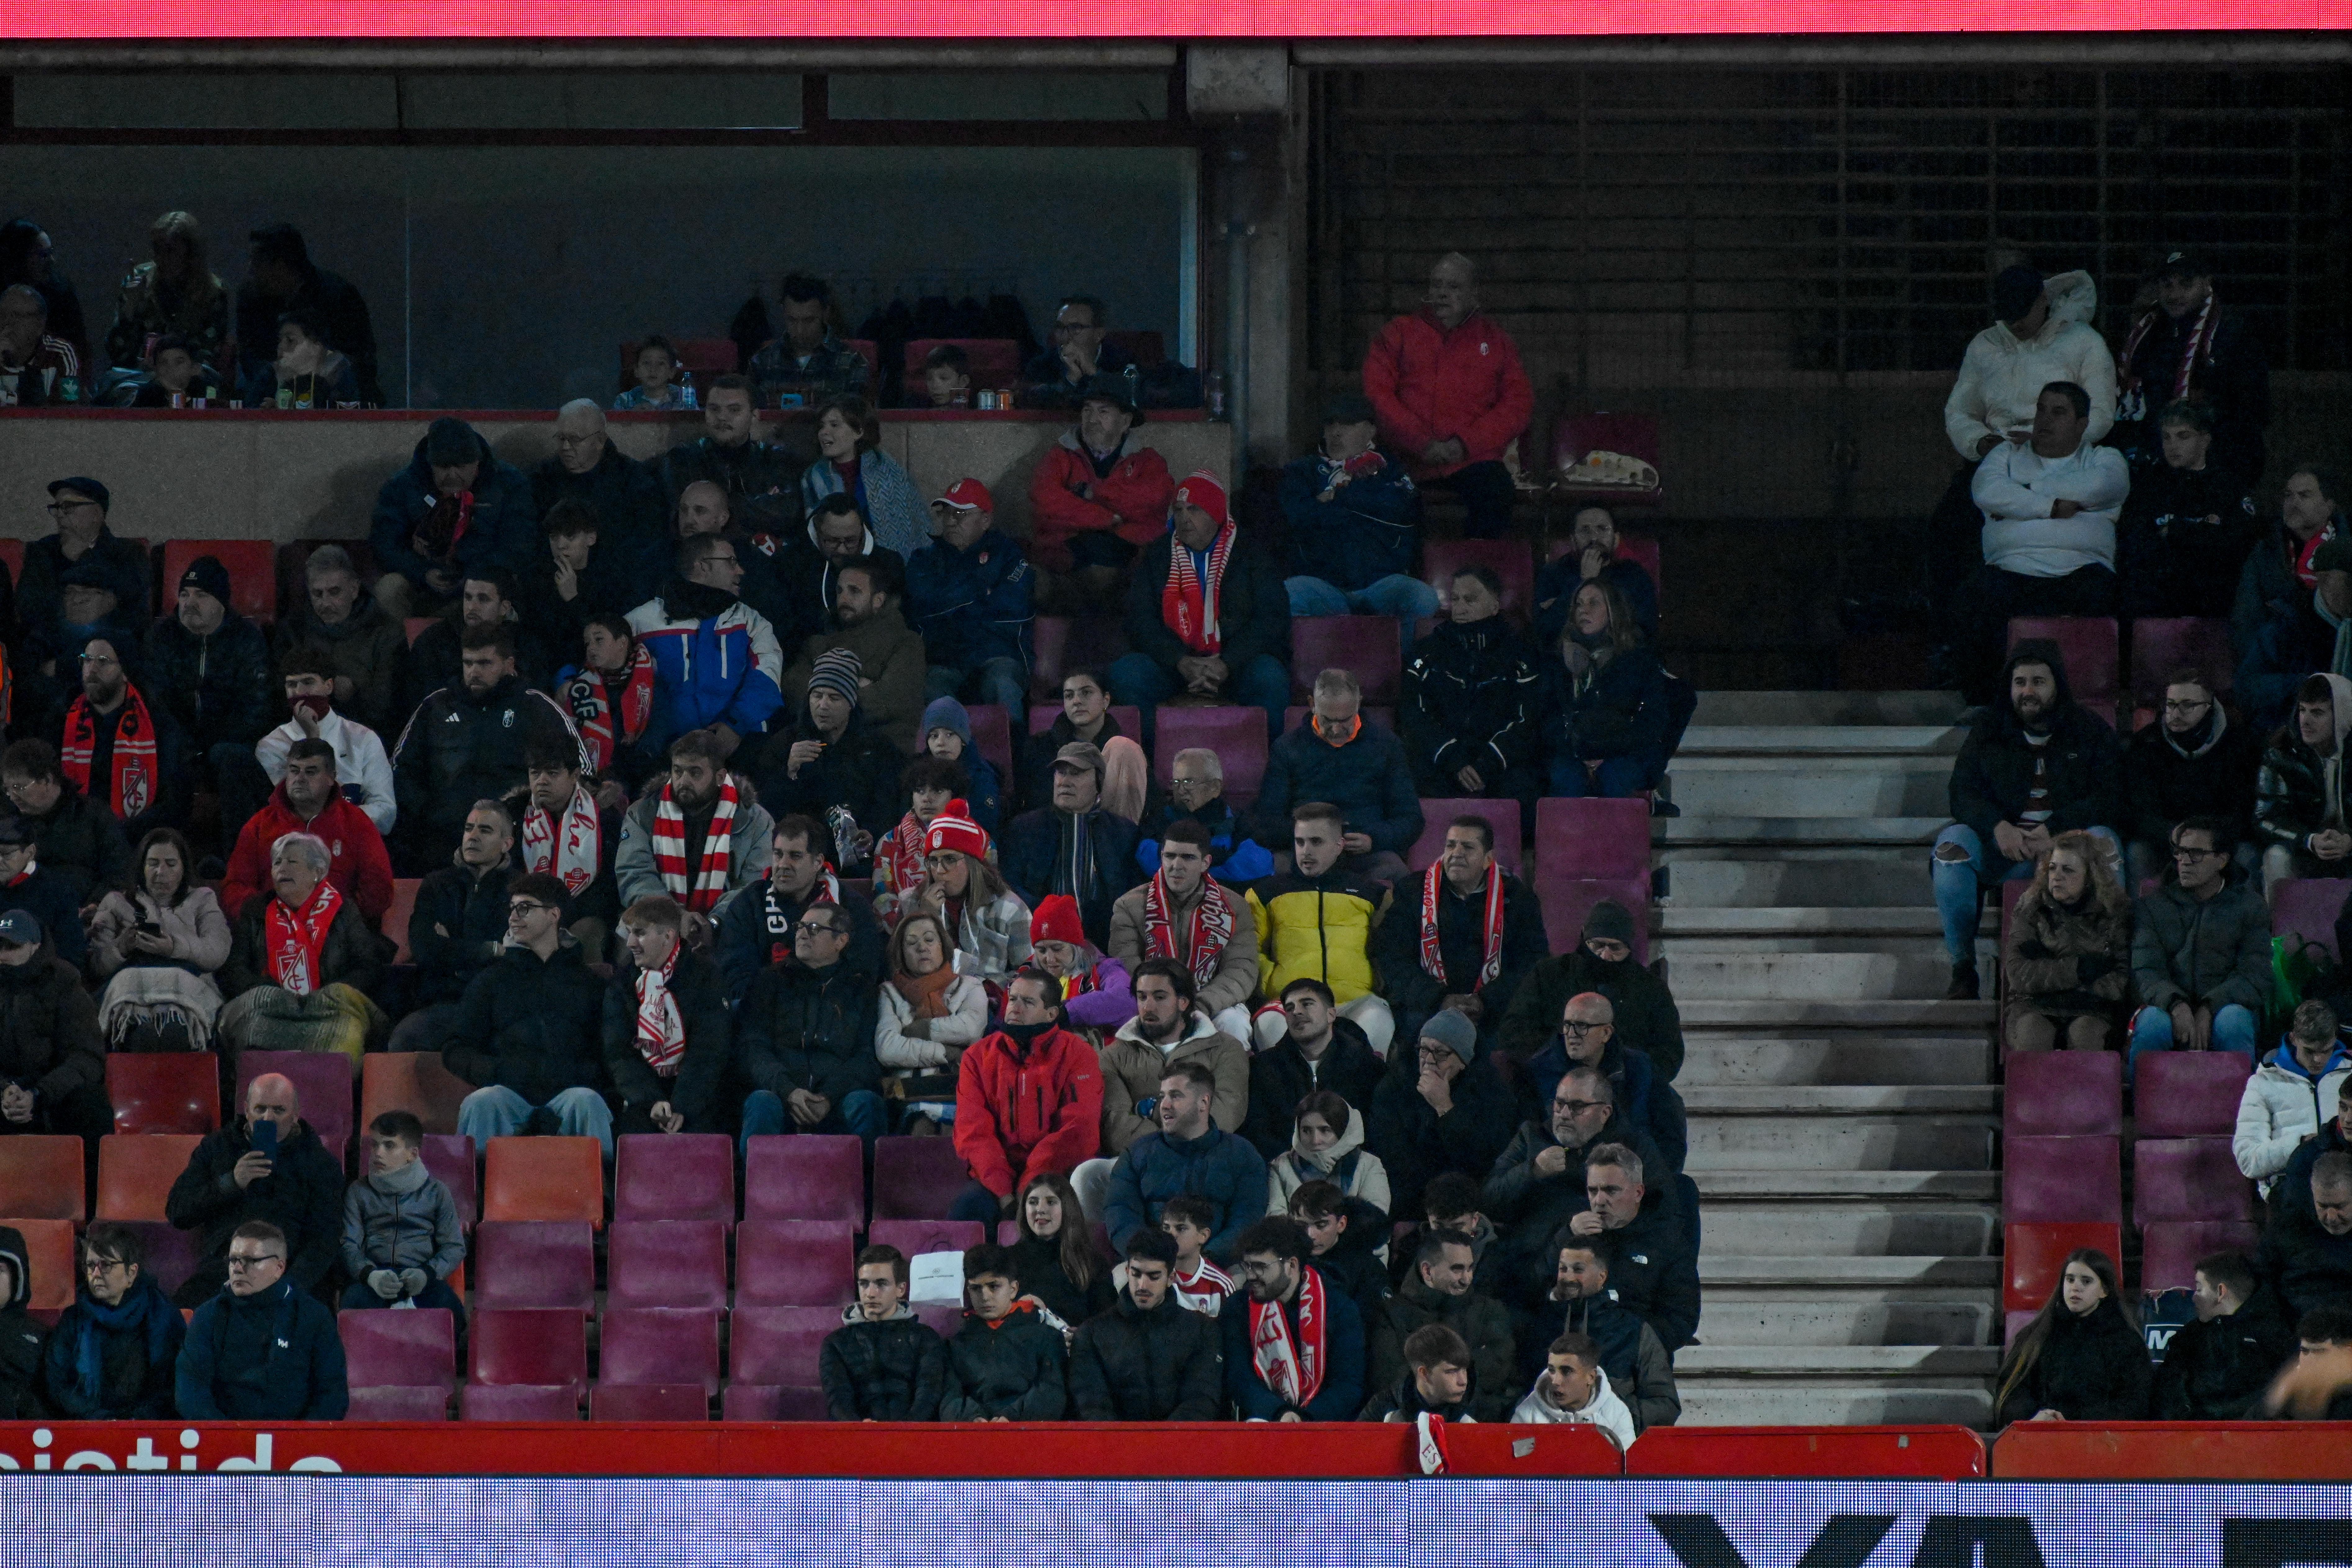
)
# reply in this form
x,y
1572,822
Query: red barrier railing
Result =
x,y
1908,1453
2174,1451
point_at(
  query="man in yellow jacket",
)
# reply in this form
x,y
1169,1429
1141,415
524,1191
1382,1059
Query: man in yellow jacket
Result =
x,y
1317,921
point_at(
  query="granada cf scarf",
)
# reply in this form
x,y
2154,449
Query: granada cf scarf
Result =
x,y
699,887
572,849
2199,348
1188,603
296,940
899,858
1293,1362
130,788
661,1031
1433,956
1210,928
780,919
607,722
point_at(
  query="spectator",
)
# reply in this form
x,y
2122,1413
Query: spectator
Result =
x,y
808,364
1080,356
1055,1257
697,839
1646,1017
27,885
2194,763
307,373
573,579
2315,1384
454,507
1537,1185
1355,521
2293,1188
1656,1257
1608,729
1191,1154
281,277
284,1178
361,644
1166,1030
945,380
361,769
1588,1037
1357,768
113,1353
174,295
1315,922
967,593
883,1364
1578,1302
1094,990
1086,716
1096,498
1440,1381
1007,1362
262,1349
303,966
28,257
989,921
1469,715
2068,963
1146,1358
37,369
1572,1391
852,463
1451,395
177,372
1207,615
529,1032
668,1035
2300,798
1200,1286
1592,557
1295,1350
2306,1255
156,949
2037,766
1475,932
610,696
624,496
83,581
2185,347
1438,1292
2200,951
840,766
663,384
868,621
1028,1101
2299,640
1347,1238
759,482
755,931
117,751
2280,573
2217,1368
2188,526
929,1017
1326,1145
717,665
2282,1106
804,576
2081,1358
1196,790
52,1057
207,670
467,743
402,1235
79,841
308,801
1442,1108
1072,844
806,1033
565,832
458,925
1184,914
946,736
928,783
1319,1052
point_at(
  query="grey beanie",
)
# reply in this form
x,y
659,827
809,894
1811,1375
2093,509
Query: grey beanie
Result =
x,y
1453,1031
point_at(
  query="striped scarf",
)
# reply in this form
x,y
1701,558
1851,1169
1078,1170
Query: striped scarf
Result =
x,y
130,783
661,1030
1292,1363
1433,952
1188,602
571,851
1210,928
2199,347
607,723
700,888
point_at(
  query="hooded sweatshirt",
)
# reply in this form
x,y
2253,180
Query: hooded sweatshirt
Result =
x,y
1603,1410
2298,792
2001,376
2282,1106
1356,1169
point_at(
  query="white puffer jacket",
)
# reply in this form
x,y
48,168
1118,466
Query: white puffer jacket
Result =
x,y
2280,1108
2000,377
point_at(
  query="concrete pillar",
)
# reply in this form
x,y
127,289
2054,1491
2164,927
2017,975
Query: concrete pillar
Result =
x,y
1249,104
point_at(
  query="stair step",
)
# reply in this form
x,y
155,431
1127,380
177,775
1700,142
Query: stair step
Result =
x,y
1747,1061
1843,1144
1850,1230
1861,1402
1803,832
1705,1360
1833,744
1808,977
1750,879
1816,788
1816,1272
1708,945
1884,1013
1839,708
1724,922
1730,1186
1838,1099
1745,1317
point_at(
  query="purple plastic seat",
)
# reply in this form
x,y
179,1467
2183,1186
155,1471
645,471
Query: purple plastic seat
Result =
x,y
915,1236
2088,645
528,1345
2161,644
2064,1094
534,1263
1126,715
172,1254
1502,815
942,1318
2307,907
2187,1178
450,1157
518,1402
659,1346
992,735
1064,643
915,1178
1568,900
2078,1178
1236,734
681,1176
794,1263
805,1175
322,1085
2170,1248
1591,836
666,1263
2189,1094
648,1402
778,1346
415,1348
392,1401
1366,645
769,1402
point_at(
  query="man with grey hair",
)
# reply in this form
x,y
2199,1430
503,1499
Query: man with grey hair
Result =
x,y
1656,1274
1451,396
302,964
1340,757
36,369
363,645
625,494
1196,789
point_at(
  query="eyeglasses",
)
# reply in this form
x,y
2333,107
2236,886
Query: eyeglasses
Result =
x,y
103,1265
102,660
238,1260
526,906
1190,784
1579,1029
60,508
2182,852
817,928
1578,1106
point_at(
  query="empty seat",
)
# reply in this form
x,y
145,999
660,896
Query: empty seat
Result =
x,y
2064,1093
942,1318
322,1087
518,1402
544,1178
414,1347
413,1081
914,1237
135,1172
915,1178
2163,645
1502,815
2187,1178
794,1263
450,1157
2034,1256
50,1260
1367,646
252,566
992,735
2074,1178
538,1346
395,1402
1568,900
2189,1094
1593,837
807,1175
648,1402
2170,1248
170,1252
659,1346
680,1176
534,1263
1509,558
667,1262
1236,734
767,1402
778,1346
2087,644
41,1177
2306,907
163,1091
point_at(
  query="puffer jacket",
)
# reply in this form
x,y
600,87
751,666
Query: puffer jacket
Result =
x,y
1647,1019
1370,779
1414,994
2000,376
1253,607
1417,1144
357,861
1356,1169
2174,562
1428,385
1235,979
23,1341
302,1195
632,519
502,531
82,843
1369,529
1166,1365
2282,1106
2091,1368
1616,708
215,687
809,1028
1070,493
1021,1113
2165,781
531,1025
198,931
1993,775
50,1039
383,1228
2044,968
715,662
1281,1077
974,605
1631,1354
2214,951
2291,792
270,1356
1014,1367
2308,1265
1218,1166
457,927
1482,1321
891,669
1133,1068
1470,697
2217,1369
1318,927
895,1369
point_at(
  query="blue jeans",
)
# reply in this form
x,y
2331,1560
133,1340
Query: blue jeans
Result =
x,y
1002,682
1960,884
1263,682
1406,598
2233,1030
1618,778
499,1111
976,1202
860,1111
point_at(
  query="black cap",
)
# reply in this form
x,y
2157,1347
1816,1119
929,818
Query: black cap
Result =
x,y
2183,263
1348,408
84,487
451,441
1113,390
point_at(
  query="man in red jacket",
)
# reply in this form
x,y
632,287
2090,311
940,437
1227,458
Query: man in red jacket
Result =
x,y
1028,1101
1096,498
307,801
1451,395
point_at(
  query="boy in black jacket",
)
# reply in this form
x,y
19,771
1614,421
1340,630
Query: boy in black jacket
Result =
x,y
883,1364
2216,1368
1148,1359
1006,1362
1438,1380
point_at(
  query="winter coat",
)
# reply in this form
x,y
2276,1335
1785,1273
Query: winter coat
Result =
x,y
1369,528
1417,1144
2293,1188
23,1341
1401,1399
1133,1068
198,930
215,687
2216,1369
2233,380
2091,1368
2291,792
890,661
1636,1362
1993,774
1046,381
1023,1113
502,532
458,749
1555,587
40,594
1470,697
82,843
1281,1077
1234,857
1356,1169
50,1040
1428,383
1014,1367
1166,1365
274,1355
1037,1265
436,659
716,661
858,771
1480,1320
756,930
1217,1165
2172,560
532,1025
2268,587
2167,782
49,899
892,1371
633,542
1647,1019
2067,963
2280,1107
1343,1394
887,499
338,304
1616,708
1370,779
387,1229
974,605
458,928
1414,994
2305,1265
1034,765
700,1088
1651,1108
2001,375
750,847
302,1195
963,1023
357,861
810,1028
2291,645
1529,1207
2212,952
135,1373
1318,927
353,953
1236,979
368,647
362,767
1070,493
1031,859
1253,609
1655,1275
763,483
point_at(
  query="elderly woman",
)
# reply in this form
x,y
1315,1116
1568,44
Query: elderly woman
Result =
x,y
848,438
157,949
303,963
988,919
2068,963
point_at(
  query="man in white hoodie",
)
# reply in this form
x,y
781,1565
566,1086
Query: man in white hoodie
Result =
x,y
1571,1391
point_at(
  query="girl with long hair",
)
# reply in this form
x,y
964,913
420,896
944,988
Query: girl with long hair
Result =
x,y
2083,1357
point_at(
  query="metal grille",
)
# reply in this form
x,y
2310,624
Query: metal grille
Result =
x,y
1640,226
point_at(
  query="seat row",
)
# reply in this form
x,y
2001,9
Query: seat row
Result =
x,y
2092,647
684,1263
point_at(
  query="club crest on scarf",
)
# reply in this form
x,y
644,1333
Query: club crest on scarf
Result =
x,y
133,779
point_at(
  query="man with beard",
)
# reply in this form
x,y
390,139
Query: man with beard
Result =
x,y
1295,1348
1657,1267
867,622
806,573
485,598
1184,913
1602,961
466,743
455,506
1470,934
1631,1355
1587,1037
838,764
701,837
363,645
717,667
124,754
761,483
2196,763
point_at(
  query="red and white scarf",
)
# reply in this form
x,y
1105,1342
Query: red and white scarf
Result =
x,y
661,1030
589,695
1292,1363
1433,952
296,940
899,858
700,887
1187,602
2199,347
572,850
1210,928
130,788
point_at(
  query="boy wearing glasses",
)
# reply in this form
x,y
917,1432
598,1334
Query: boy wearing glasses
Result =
x,y
2201,950
262,1350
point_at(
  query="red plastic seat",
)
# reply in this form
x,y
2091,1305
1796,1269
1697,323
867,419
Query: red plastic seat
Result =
x,y
322,1087
2034,1256
41,1177
135,1172
1568,900
2187,1178
678,1175
805,1175
2064,1093
2170,1248
915,1237
49,1259
417,626
2087,644
2189,1094
518,1402
778,1346
2163,645
450,1157
12,556
1509,559
915,1178
668,1263
795,1263
534,1263
2307,907
395,916
252,572
648,1401
1502,815
544,1178
1129,717
394,1402
1236,734
415,1348
163,1091
767,1402
659,1346
1366,645
1591,836
995,361
1634,435
2078,1178
413,1081
532,1346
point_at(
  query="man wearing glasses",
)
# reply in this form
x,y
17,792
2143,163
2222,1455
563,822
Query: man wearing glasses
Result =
x,y
530,1028
1537,1185
2201,950
1603,960
1197,790
2196,763
1588,1037
128,756
806,1034
112,566
262,1350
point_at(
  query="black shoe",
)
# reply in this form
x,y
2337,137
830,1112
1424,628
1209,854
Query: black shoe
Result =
x,y
1964,984
1661,807
544,1123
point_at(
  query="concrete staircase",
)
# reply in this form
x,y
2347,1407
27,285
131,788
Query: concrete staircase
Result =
x,y
1841,1116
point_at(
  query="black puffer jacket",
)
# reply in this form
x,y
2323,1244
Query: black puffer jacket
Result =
x,y
631,516
1166,1365
1281,1077
82,842
2207,773
50,1040
1416,1143
24,1342
699,1089
1655,1275
1647,1019
302,1195
813,1029
1470,701
532,1025
215,688
763,483
2215,1371
2171,560
895,1369
1414,993
1014,1368
2091,1368
458,929
1484,1323
1993,775
1528,1207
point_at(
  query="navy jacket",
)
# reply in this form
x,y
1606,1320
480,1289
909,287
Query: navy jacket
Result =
x,y
971,605
1343,1394
756,930
271,1356
1644,1101
1032,847
215,688
1619,711
1218,1166
504,529
1368,779
1369,528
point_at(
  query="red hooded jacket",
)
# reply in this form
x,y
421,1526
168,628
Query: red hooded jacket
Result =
x,y
361,871
1139,490
1019,1114
1427,384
